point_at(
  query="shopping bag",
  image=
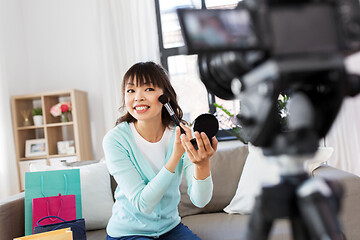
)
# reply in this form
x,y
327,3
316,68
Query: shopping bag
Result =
x,y
77,227
62,206
48,184
61,234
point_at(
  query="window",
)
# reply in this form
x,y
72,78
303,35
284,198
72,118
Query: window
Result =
x,y
194,99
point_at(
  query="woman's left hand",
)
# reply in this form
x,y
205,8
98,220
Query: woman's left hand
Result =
x,y
200,157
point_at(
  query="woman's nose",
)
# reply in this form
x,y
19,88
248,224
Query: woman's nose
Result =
x,y
139,96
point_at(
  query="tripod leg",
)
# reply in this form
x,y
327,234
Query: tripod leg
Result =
x,y
258,227
299,228
318,205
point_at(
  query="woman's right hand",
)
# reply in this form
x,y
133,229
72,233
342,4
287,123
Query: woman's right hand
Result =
x,y
178,149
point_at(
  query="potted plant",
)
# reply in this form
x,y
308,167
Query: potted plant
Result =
x,y
37,116
231,126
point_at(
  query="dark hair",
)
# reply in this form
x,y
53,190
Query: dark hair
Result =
x,y
151,73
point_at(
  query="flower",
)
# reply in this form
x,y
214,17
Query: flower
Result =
x,y
60,108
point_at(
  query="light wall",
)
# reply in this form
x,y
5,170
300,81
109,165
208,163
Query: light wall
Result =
x,y
54,45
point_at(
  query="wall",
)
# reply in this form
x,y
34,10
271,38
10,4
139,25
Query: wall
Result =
x,y
13,62
53,45
13,51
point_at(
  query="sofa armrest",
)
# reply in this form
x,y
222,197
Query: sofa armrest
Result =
x,y
12,217
350,208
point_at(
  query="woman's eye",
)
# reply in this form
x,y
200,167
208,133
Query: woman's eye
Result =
x,y
130,91
149,89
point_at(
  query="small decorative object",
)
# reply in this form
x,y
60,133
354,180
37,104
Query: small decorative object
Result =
x,y
229,123
37,116
35,147
62,109
66,147
283,100
25,114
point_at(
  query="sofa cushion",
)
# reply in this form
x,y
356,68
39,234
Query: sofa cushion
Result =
x,y
97,199
226,167
12,217
96,234
259,171
350,207
96,196
215,226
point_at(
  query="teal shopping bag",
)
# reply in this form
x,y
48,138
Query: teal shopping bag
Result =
x,y
49,184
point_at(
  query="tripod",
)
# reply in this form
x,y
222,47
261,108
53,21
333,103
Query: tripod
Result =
x,y
310,204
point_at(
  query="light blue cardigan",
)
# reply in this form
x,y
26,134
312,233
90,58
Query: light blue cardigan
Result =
x,y
147,203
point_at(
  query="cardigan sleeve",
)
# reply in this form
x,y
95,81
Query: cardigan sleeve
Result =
x,y
143,196
199,191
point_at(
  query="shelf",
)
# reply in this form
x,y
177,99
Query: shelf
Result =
x,y
72,137
46,156
59,124
33,158
30,127
62,155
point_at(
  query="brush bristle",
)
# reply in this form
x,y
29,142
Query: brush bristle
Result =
x,y
163,99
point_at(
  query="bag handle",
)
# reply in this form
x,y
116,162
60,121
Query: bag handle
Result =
x,y
48,208
42,185
64,223
38,222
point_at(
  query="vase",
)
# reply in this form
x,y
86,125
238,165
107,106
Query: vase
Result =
x,y
65,117
27,122
38,120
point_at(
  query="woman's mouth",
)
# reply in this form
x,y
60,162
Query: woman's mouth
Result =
x,y
141,109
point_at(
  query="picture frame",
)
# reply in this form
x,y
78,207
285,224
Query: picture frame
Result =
x,y
35,147
66,147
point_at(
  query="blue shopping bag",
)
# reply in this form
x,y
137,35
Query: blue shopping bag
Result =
x,y
48,184
77,227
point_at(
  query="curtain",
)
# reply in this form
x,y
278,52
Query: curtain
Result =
x,y
344,135
9,182
128,34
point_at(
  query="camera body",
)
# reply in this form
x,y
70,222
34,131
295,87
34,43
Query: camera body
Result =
x,y
264,48
280,27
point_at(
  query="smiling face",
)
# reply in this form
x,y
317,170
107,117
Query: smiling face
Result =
x,y
156,82
141,101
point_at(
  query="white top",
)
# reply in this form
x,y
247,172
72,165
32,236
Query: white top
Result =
x,y
153,152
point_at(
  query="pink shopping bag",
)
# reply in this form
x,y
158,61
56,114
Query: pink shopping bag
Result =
x,y
63,206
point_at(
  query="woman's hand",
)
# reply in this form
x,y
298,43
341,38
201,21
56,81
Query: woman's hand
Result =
x,y
200,157
178,149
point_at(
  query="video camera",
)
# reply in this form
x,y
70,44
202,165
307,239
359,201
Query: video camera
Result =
x,y
262,49
296,47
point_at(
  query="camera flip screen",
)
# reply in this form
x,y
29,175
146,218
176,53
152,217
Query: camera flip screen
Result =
x,y
314,30
217,30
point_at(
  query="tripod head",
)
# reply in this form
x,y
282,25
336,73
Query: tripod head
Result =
x,y
316,91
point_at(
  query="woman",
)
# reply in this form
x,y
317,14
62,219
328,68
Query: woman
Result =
x,y
145,154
